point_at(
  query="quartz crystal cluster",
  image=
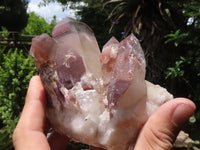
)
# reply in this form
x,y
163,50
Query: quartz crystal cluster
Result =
x,y
101,99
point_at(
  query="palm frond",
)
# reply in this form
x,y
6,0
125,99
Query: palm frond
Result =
x,y
115,8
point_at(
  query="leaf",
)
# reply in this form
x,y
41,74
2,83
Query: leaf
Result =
x,y
116,7
111,1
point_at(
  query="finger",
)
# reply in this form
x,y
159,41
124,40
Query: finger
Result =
x,y
163,126
57,141
33,115
29,131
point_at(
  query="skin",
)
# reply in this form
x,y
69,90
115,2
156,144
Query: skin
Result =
x,y
158,133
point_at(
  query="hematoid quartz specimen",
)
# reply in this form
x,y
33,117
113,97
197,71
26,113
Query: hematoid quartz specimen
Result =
x,y
101,99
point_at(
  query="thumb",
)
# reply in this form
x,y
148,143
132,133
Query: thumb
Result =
x,y
163,126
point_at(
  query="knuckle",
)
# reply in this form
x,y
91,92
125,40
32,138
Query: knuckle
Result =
x,y
159,138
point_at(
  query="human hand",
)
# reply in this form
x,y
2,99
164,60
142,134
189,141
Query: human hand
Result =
x,y
158,132
162,128
31,130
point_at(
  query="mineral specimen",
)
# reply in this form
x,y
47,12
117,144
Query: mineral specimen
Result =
x,y
101,99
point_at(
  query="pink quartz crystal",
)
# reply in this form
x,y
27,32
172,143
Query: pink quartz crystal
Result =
x,y
101,99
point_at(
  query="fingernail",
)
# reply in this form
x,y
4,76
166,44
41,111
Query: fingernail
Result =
x,y
182,114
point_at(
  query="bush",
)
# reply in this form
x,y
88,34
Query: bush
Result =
x,y
38,25
16,69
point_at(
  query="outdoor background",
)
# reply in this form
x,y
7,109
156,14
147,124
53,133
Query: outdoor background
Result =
x,y
169,32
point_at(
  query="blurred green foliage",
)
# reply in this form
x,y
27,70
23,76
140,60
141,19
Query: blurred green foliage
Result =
x,y
16,69
186,70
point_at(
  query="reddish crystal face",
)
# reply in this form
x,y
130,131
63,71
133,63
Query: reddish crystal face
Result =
x,y
95,98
